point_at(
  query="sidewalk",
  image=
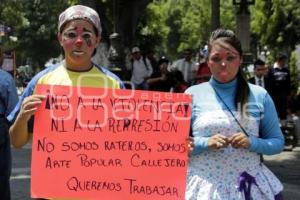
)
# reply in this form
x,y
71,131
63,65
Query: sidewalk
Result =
x,y
286,166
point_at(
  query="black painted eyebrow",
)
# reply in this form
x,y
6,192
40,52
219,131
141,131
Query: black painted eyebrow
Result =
x,y
87,30
75,28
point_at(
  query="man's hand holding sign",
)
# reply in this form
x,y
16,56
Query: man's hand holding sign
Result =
x,y
110,144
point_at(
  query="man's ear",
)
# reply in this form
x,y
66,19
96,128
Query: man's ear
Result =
x,y
98,41
59,37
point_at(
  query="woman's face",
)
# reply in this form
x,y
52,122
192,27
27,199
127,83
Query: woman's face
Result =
x,y
78,40
224,61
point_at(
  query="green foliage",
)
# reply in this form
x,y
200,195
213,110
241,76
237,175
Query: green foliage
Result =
x,y
34,23
174,25
153,34
227,15
277,24
168,26
38,38
10,15
189,22
294,70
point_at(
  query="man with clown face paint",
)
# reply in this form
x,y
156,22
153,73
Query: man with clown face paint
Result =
x,y
79,34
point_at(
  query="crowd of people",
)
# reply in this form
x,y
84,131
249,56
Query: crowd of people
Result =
x,y
167,76
228,134
146,72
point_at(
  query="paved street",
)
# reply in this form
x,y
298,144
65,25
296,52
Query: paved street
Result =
x,y
285,165
20,179
287,168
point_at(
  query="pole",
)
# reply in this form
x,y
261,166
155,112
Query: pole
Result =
x,y
14,64
215,14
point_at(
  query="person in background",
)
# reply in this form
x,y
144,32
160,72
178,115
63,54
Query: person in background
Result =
x,y
294,112
141,69
179,84
281,85
260,75
154,63
203,73
294,101
79,34
186,66
8,100
163,81
233,122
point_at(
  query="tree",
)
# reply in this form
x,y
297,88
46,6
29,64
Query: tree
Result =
x,y
12,18
215,18
277,24
34,22
177,24
169,26
38,38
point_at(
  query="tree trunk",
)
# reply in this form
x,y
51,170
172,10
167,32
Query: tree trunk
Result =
x,y
215,14
127,18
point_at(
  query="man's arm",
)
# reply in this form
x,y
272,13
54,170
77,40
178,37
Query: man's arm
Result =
x,y
174,66
150,68
12,97
19,131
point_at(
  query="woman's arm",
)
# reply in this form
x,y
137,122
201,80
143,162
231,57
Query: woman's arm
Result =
x,y
200,144
216,141
271,140
157,79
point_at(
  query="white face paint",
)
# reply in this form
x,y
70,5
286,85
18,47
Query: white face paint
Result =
x,y
79,41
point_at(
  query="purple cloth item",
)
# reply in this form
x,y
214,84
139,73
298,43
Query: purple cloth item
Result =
x,y
245,182
279,196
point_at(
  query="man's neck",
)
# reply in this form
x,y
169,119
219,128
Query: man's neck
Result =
x,y
78,68
277,65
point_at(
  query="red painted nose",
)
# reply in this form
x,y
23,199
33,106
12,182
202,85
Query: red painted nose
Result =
x,y
78,41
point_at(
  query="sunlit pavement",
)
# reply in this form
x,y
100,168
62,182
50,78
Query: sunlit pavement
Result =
x,y
20,178
287,168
